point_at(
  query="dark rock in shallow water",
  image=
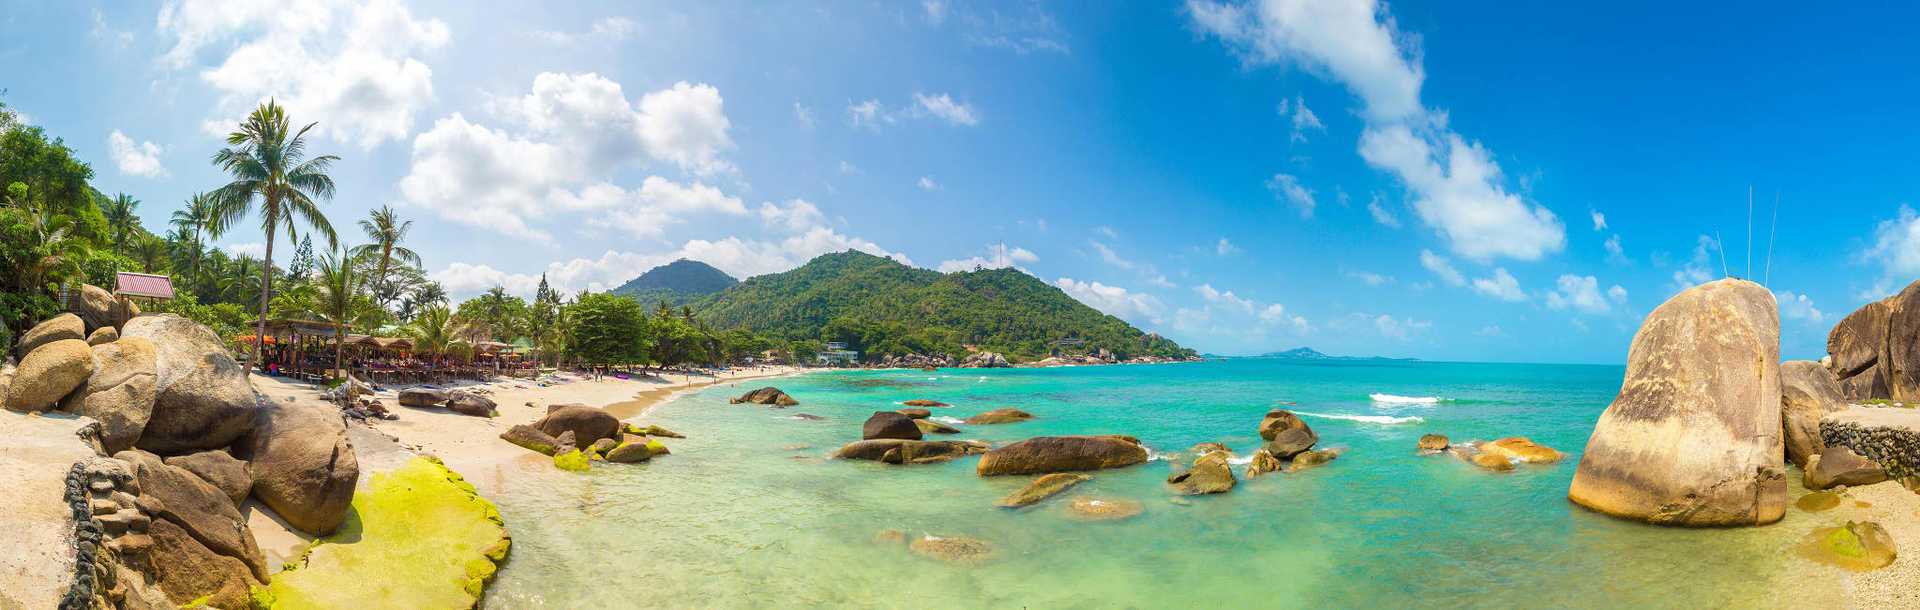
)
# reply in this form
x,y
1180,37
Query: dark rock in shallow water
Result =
x,y
953,549
1000,416
1046,486
766,396
921,402
889,424
1433,443
1286,434
1263,462
1044,454
928,426
1309,459
916,413
531,438
1209,475
901,451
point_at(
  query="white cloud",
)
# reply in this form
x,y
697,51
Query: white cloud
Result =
x,y
357,68
1442,267
1617,294
1381,215
848,168
1227,298
138,159
249,249
944,107
1288,188
1699,269
1370,278
1226,313
1798,307
1896,250
804,115
611,29
687,126
645,212
868,114
1599,220
999,256
1582,293
1302,118
1615,253
795,216
1110,257
1225,248
1107,231
1501,285
1112,300
1455,184
926,183
107,33
1387,326
1024,30
936,12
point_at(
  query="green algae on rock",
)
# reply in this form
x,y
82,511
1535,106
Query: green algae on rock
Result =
x,y
417,537
571,460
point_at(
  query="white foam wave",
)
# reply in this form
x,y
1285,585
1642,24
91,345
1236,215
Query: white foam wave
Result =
x,y
1406,400
1240,460
1155,456
1370,419
948,420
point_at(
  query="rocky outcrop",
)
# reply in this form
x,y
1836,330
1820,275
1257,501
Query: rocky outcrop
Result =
x,y
98,308
220,469
1855,348
121,392
587,424
1808,392
423,397
62,327
1000,416
1286,434
469,403
1841,466
1693,438
1521,450
1047,454
303,466
889,424
1263,462
1432,443
203,398
531,438
766,396
207,517
985,360
1311,458
901,451
1046,486
48,374
1901,360
1209,474
104,334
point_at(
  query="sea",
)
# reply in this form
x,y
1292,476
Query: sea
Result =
x,y
750,512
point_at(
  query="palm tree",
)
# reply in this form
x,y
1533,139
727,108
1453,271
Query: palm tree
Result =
x,y
337,299
435,330
269,165
121,220
386,231
54,251
192,221
150,252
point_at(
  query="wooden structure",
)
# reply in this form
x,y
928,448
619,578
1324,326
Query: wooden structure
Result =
x,y
301,349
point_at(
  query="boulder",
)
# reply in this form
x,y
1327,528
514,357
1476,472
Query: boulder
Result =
x,y
219,469
651,430
916,413
98,308
901,451
203,399
985,360
58,328
922,402
588,424
1854,349
469,403
1000,416
303,466
1286,434
1900,362
766,396
1521,449
1208,447
1046,486
1045,454
174,495
48,374
1309,459
633,450
928,426
424,397
1841,466
1808,392
572,460
120,393
531,438
1209,475
1263,462
1693,438
1859,546
186,569
1103,509
952,549
888,424
104,334
1482,459
601,447
1432,443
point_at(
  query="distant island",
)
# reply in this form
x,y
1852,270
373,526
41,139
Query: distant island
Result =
x,y
1308,353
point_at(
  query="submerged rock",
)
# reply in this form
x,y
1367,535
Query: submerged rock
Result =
x,y
1858,546
902,451
922,402
1103,509
1808,392
766,396
928,426
1045,454
953,549
1693,438
1042,488
1841,466
1000,416
1521,449
915,413
1432,443
889,424
1206,448
1209,475
1309,459
1818,501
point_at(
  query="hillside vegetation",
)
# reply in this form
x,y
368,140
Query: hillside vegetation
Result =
x,y
678,283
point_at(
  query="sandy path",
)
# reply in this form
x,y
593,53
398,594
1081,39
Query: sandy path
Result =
x,y
36,535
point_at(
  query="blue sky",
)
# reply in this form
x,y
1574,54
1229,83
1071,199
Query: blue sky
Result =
x,y
1423,179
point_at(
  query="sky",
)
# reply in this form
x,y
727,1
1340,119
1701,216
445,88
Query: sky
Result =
x,y
1444,180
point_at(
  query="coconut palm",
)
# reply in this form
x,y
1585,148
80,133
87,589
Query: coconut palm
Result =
x,y
386,231
338,299
434,331
270,169
150,252
53,253
121,219
191,222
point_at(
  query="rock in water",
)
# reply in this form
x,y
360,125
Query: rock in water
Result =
x,y
531,438
1432,443
922,402
1000,416
1856,347
633,450
1521,449
203,399
953,549
1263,462
1693,438
1209,475
58,328
424,397
1841,466
916,412
48,374
1045,454
928,426
1808,392
1857,546
889,424
588,424
120,393
1286,434
1103,509
766,396
1042,488
303,466
901,451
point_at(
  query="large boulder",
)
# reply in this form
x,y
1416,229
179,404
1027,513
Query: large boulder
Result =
x,y
104,334
1855,347
186,569
1901,361
1693,438
424,397
98,308
203,399
58,328
889,424
1432,443
766,396
469,403
218,468
1000,416
1209,475
1520,449
902,451
985,360
303,466
120,393
1841,466
48,374
1286,434
588,424
531,438
1045,454
1043,487
182,498
1808,392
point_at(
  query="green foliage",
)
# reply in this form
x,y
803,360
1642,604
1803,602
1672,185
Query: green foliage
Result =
x,y
609,329
495,315
226,319
882,307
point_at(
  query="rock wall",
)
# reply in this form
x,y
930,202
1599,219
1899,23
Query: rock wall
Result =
x,y
1896,449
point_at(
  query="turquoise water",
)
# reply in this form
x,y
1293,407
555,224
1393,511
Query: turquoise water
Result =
x,y
742,516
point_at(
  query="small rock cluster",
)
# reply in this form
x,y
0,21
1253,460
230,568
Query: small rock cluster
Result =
x,y
1897,450
577,435
985,360
464,402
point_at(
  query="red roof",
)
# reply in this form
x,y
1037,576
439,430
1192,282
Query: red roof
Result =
x,y
143,285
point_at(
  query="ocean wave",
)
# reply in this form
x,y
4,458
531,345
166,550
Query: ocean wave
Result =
x,y
1240,460
951,421
1406,400
1370,419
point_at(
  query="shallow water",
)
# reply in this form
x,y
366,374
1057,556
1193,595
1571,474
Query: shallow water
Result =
x,y
736,519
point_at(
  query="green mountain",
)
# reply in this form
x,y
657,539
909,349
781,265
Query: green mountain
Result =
x,y
678,282
881,307
1308,353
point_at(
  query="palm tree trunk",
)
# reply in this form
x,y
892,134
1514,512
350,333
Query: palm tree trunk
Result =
x,y
266,287
339,346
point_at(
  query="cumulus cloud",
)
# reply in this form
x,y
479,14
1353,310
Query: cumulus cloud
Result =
x,y
609,29
1225,248
1501,285
1798,307
999,256
1896,250
1386,325
357,68
794,216
134,158
1112,300
868,114
1370,278
1287,188
1582,293
1228,298
1456,187
1698,269
943,107
1599,220
1442,267
1615,253
1302,118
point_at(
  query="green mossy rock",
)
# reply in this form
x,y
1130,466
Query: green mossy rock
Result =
x,y
575,461
416,538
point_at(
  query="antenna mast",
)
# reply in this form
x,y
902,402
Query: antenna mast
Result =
x,y
1771,232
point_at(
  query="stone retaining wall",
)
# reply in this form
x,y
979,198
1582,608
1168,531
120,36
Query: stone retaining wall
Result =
x,y
1896,449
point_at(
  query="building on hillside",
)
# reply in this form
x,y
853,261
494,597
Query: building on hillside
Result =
x,y
837,354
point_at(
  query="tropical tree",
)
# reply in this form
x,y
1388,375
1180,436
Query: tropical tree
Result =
x,y
121,219
271,171
150,251
51,253
338,300
385,230
434,331
191,223
608,329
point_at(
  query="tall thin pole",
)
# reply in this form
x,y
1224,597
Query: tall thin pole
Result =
x,y
1722,247
1775,230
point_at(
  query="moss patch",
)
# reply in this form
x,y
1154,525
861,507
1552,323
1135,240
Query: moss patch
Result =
x,y
416,538
571,460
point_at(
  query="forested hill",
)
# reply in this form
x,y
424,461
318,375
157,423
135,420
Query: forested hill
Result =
x,y
882,307
677,282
